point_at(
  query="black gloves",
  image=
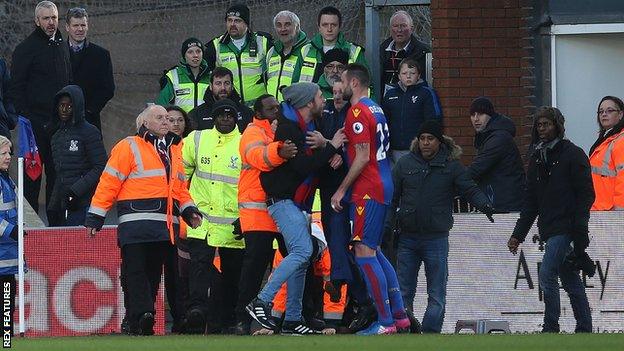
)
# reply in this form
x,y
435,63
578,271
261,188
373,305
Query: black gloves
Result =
x,y
580,238
489,212
71,201
186,214
581,262
237,231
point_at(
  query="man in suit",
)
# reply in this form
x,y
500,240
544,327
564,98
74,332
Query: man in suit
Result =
x,y
91,65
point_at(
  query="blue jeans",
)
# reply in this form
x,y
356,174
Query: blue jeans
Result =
x,y
294,227
553,266
411,252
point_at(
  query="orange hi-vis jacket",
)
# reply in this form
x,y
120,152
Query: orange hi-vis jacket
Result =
x,y
148,204
258,154
607,165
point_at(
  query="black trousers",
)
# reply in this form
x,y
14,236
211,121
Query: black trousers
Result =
x,y
172,283
10,279
231,265
258,255
201,274
142,267
32,187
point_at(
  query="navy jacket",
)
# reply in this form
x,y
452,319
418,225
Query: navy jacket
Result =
x,y
78,152
424,192
328,125
93,72
8,220
497,168
405,111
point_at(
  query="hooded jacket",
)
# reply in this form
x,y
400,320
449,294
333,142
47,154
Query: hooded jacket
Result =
x,y
202,114
559,191
78,152
424,191
406,108
498,168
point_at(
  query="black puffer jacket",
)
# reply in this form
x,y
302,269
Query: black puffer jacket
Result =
x,y
78,152
424,191
497,168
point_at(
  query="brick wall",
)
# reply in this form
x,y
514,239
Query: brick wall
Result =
x,y
482,48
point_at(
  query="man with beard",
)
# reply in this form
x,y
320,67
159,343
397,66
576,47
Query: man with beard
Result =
x,y
40,68
283,59
336,61
220,88
369,184
241,51
289,191
185,84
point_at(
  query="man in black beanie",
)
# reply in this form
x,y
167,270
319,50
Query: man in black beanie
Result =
x,y
336,61
425,183
240,46
497,168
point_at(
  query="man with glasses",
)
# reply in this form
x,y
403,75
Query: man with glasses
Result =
x,y
91,65
336,62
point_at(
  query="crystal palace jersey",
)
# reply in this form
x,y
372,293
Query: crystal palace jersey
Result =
x,y
366,123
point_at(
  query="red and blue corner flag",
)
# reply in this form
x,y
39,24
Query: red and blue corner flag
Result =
x,y
28,149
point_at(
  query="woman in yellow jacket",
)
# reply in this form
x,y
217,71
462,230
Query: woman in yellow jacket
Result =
x,y
606,156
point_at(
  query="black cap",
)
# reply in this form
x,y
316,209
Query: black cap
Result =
x,y
189,43
432,127
336,54
482,105
238,10
223,105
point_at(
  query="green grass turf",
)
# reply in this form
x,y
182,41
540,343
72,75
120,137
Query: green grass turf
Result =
x,y
581,342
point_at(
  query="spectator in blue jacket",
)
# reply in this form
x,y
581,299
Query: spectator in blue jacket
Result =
x,y
497,168
8,226
407,106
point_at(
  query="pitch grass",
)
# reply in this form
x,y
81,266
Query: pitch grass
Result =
x,y
534,342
